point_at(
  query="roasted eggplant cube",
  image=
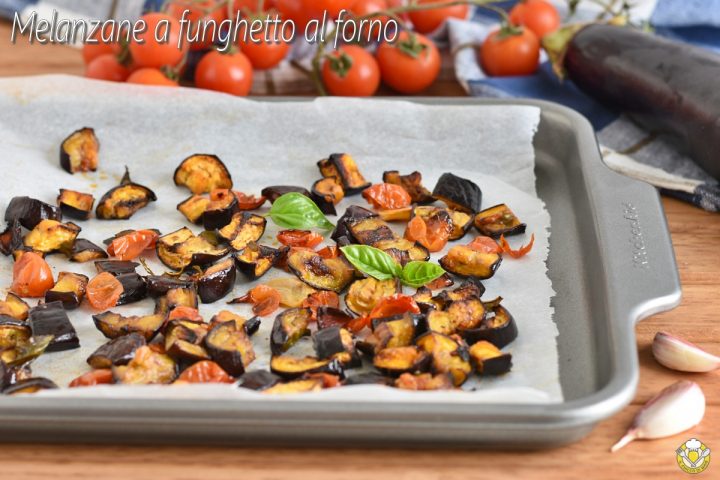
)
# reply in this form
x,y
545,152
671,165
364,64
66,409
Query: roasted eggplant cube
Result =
x,y
159,285
249,325
123,201
29,385
79,151
11,239
244,229
440,321
69,289
194,207
147,367
448,356
329,190
498,327
230,347
332,317
183,340
220,211
462,223
368,378
303,385
288,328
258,380
15,307
202,173
85,251
458,193
466,314
134,288
75,204
399,360
13,333
217,281
403,250
51,236
498,221
370,231
29,212
181,249
118,351
466,262
290,367
176,297
353,213
24,349
116,267
114,325
396,215
396,331
256,260
424,381
343,167
489,360
412,184
330,341
277,191
51,319
323,273
364,294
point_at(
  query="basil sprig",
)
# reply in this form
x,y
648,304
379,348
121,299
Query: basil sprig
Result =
x,y
295,210
381,266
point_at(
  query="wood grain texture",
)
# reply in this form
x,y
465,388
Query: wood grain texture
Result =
x,y
696,237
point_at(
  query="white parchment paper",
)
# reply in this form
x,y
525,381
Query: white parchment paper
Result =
x,y
152,129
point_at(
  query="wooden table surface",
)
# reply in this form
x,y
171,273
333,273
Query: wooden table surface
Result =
x,y
696,237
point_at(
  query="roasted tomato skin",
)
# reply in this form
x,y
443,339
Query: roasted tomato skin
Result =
x,y
131,245
32,276
300,238
205,371
104,291
101,376
387,196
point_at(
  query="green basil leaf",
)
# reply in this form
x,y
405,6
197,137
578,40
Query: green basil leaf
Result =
x,y
372,261
295,210
418,274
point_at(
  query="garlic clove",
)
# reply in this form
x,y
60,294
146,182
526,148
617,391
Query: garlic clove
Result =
x,y
675,409
678,354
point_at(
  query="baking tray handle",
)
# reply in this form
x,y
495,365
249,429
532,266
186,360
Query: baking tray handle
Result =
x,y
641,271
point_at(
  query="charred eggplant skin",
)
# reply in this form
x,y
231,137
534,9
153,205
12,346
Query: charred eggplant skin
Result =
x,y
217,281
11,239
88,151
258,380
412,183
343,167
123,201
158,285
230,347
29,385
134,288
29,212
84,250
256,260
498,221
326,274
51,319
499,328
116,267
69,289
458,193
118,351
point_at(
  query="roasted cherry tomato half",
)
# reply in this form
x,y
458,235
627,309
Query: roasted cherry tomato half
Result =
x,y
102,376
431,235
132,245
249,202
265,300
520,252
104,291
387,196
185,313
485,244
205,371
32,276
300,238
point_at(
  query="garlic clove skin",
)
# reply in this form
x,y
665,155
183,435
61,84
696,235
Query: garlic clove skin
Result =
x,y
681,355
675,409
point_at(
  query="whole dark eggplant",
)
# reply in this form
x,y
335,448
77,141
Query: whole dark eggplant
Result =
x,y
665,86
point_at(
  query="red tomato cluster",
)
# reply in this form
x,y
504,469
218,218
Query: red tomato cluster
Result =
x,y
408,65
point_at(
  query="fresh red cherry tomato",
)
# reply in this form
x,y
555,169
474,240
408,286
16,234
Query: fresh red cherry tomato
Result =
x,y
410,64
106,67
225,72
264,54
510,51
205,17
148,52
538,15
426,21
351,72
151,76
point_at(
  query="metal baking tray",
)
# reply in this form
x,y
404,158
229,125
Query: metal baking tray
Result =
x,y
611,263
